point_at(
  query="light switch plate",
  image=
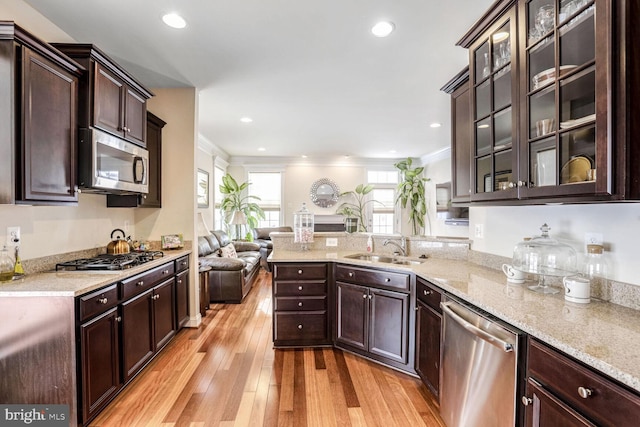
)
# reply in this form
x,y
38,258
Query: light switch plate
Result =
x,y
479,231
331,241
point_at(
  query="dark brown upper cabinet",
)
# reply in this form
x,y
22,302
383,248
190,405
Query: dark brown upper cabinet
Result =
x,y
38,108
554,88
110,98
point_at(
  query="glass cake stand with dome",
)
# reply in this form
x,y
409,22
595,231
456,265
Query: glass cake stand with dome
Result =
x,y
545,256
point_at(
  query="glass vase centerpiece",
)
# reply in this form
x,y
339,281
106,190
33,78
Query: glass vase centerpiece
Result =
x,y
545,256
303,227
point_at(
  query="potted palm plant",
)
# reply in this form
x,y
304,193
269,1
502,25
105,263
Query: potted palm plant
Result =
x,y
355,210
411,192
237,206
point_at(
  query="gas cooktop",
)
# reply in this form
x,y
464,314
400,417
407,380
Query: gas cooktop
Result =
x,y
109,262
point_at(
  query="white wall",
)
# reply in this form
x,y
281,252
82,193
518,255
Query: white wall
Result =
x,y
439,172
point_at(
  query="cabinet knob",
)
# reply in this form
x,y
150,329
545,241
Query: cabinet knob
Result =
x,y
179,280
522,184
184,263
155,297
416,308
370,296
299,271
299,288
427,292
351,274
118,319
299,326
512,184
140,283
364,296
584,392
165,271
300,304
103,300
526,401
387,280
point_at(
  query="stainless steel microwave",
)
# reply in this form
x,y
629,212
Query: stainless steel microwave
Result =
x,y
110,165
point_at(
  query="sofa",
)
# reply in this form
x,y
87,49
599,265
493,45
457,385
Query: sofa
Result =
x,y
262,236
234,266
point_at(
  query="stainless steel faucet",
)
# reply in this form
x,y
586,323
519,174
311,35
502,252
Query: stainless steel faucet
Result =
x,y
402,245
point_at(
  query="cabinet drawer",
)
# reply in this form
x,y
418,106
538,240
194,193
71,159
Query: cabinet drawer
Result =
x,y
428,294
182,264
98,302
136,284
368,277
298,327
309,287
300,303
300,271
608,403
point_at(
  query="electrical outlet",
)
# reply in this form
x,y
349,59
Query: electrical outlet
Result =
x,y
479,231
331,241
593,238
13,236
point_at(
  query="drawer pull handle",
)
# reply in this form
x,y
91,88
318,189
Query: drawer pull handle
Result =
x,y
299,271
300,304
299,288
299,326
427,292
526,401
584,392
387,280
103,301
140,283
351,274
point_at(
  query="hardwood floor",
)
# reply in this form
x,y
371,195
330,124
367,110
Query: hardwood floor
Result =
x,y
226,373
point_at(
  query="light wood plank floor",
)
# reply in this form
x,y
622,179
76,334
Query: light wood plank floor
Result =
x,y
226,373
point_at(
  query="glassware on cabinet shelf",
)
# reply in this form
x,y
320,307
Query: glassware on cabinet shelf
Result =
x,y
545,19
486,70
303,227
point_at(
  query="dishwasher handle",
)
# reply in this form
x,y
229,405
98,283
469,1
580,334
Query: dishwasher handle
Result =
x,y
484,335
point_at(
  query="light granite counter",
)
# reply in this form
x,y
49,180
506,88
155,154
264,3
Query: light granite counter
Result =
x,y
75,283
604,336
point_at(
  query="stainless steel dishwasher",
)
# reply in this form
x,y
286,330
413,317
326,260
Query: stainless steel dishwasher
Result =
x,y
479,373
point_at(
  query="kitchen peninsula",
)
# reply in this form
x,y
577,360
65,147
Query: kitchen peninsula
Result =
x,y
602,336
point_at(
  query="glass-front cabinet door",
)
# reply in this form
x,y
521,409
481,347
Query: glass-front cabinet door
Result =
x,y
494,94
564,111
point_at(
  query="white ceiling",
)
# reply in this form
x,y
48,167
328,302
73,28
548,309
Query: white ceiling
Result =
x,y
309,73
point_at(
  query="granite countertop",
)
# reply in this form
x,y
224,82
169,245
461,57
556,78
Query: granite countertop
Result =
x,y
75,283
604,336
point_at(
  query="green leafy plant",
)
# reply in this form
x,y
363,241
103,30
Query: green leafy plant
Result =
x,y
357,207
236,199
411,192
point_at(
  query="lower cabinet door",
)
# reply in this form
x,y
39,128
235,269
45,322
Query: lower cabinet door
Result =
x,y
182,299
352,315
428,325
99,343
164,314
137,333
544,409
389,320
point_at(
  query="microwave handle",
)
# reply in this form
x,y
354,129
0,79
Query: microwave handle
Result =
x,y
139,171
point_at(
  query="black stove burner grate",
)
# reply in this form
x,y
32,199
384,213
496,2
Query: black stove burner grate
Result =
x,y
109,262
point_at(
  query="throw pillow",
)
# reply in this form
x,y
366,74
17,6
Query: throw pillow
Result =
x,y
228,251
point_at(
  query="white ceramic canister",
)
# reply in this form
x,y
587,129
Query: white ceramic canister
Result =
x,y
577,289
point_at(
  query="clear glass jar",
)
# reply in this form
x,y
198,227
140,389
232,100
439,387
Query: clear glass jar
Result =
x,y
6,265
596,268
303,227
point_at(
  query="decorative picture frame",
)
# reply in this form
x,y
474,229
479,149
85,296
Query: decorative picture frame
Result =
x,y
202,188
172,241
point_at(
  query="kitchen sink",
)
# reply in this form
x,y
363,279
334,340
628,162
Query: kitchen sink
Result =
x,y
385,258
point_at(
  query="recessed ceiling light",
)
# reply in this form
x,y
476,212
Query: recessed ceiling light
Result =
x,y
304,156
382,29
262,149
392,151
435,125
174,20
246,120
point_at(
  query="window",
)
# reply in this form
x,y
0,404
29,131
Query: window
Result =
x,y
383,214
218,173
268,187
